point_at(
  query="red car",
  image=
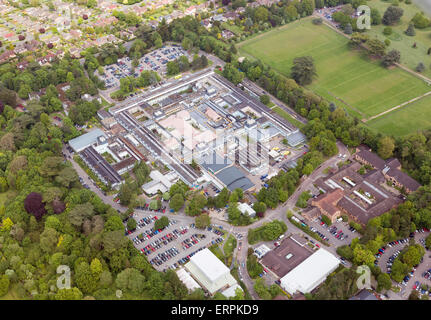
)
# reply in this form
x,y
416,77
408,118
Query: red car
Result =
x,y
317,245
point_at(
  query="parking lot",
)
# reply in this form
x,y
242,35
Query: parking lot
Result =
x,y
173,245
418,275
155,61
338,234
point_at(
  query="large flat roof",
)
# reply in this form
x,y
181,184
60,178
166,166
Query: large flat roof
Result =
x,y
209,271
214,163
276,260
209,264
233,178
86,140
310,273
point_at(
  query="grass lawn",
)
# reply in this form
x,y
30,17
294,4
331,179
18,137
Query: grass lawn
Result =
x,y
408,119
229,246
346,77
231,27
288,117
410,57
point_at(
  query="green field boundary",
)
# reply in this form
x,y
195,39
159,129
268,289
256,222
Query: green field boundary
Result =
x,y
288,117
399,106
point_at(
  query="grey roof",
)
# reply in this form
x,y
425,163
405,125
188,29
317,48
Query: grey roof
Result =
x,y
214,163
364,295
103,114
295,138
233,178
100,166
86,140
404,179
372,158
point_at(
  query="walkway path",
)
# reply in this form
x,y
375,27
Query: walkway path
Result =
x,y
398,106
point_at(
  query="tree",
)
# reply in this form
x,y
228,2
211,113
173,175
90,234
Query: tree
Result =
x,y
155,204
392,15
261,14
172,68
80,213
130,279
222,198
85,280
69,294
410,30
7,142
264,99
161,223
4,285
303,70
376,47
176,202
202,221
413,255
125,194
260,208
414,295
376,17
233,213
48,240
428,242
357,39
131,224
420,21
384,282
420,67
348,29
387,31
391,58
196,204
33,204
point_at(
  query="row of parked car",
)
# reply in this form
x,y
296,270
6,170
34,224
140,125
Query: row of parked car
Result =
x,y
353,230
423,289
164,256
427,274
216,231
162,241
187,258
194,239
321,235
339,234
143,222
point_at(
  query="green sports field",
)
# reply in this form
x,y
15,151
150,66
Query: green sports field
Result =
x,y
411,118
346,77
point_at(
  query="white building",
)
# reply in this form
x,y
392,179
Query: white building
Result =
x,y
310,273
160,182
260,251
187,279
246,209
210,272
83,141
